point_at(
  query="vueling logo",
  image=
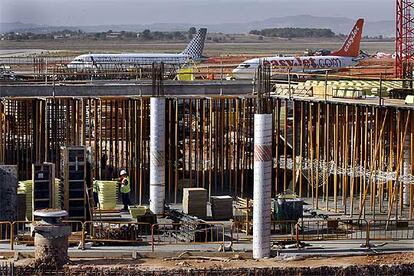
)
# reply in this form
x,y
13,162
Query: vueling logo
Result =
x,y
351,38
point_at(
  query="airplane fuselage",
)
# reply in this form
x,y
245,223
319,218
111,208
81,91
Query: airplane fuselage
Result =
x,y
111,60
346,56
247,69
193,52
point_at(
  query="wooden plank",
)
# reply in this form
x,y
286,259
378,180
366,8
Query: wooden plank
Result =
x,y
336,153
301,149
294,122
376,150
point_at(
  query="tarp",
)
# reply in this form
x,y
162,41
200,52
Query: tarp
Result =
x,y
185,74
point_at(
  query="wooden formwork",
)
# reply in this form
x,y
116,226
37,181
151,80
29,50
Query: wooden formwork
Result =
x,y
345,157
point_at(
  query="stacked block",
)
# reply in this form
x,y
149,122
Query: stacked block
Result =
x,y
221,207
195,202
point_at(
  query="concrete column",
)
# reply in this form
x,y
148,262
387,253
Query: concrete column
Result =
x,y
262,185
157,155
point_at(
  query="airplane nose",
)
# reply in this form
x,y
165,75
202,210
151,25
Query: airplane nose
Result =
x,y
236,73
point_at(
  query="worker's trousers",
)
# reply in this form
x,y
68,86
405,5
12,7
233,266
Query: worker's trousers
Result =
x,y
95,199
125,201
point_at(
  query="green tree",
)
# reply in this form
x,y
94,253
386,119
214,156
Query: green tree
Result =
x,y
294,32
146,34
191,32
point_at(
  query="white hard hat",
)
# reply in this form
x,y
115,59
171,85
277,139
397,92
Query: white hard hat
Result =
x,y
123,172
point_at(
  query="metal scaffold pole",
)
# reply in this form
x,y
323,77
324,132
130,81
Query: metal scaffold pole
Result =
x,y
404,34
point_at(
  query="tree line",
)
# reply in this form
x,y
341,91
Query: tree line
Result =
x,y
293,32
79,34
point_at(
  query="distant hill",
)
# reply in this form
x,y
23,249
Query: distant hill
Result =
x,y
34,28
336,24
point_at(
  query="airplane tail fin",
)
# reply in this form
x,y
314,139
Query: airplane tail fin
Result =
x,y
351,46
195,48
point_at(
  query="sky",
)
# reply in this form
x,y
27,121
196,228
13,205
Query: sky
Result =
x,y
105,12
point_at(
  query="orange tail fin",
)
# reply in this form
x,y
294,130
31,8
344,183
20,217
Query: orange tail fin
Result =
x,y
351,45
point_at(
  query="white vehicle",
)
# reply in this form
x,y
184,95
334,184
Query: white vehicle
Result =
x,y
344,57
193,52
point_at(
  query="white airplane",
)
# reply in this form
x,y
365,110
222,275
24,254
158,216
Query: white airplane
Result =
x,y
380,55
193,52
344,57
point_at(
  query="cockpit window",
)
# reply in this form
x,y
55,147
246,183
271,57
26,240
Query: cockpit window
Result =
x,y
244,65
83,59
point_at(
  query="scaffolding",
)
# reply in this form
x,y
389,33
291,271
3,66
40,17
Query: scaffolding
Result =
x,y
404,45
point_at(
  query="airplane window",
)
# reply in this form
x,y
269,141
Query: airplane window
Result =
x,y
244,65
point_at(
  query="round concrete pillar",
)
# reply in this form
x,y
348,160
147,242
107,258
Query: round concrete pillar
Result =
x,y
157,155
262,185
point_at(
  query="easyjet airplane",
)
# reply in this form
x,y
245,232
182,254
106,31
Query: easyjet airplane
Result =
x,y
192,52
345,57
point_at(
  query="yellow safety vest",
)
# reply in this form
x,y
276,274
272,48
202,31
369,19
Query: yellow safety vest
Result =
x,y
125,188
95,186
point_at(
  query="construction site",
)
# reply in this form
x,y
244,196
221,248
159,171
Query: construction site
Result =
x,y
309,175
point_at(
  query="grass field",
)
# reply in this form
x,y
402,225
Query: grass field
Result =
x,y
269,46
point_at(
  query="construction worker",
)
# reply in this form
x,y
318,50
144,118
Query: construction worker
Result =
x,y
125,189
95,190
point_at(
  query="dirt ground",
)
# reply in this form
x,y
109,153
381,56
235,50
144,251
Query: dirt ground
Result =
x,y
149,264
235,262
271,47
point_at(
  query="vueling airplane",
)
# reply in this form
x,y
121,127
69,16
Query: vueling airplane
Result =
x,y
344,57
193,52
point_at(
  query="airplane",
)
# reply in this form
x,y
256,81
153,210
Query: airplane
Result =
x,y
347,56
193,52
381,55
